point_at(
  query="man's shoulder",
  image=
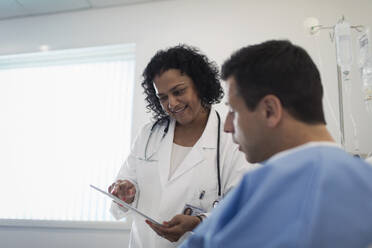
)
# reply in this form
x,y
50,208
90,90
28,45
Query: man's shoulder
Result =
x,y
319,156
318,165
334,159
323,166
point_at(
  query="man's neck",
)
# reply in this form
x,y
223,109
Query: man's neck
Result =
x,y
298,133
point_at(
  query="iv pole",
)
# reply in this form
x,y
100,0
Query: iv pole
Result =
x,y
315,29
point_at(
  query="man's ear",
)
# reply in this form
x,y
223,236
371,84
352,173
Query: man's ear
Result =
x,y
271,109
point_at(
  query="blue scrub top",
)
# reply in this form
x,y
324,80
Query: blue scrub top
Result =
x,y
316,196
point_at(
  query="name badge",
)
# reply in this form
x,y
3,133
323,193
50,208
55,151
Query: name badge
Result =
x,y
192,210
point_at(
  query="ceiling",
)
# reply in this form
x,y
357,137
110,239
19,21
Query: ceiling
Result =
x,y
10,9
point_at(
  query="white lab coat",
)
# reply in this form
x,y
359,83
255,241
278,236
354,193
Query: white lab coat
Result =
x,y
162,199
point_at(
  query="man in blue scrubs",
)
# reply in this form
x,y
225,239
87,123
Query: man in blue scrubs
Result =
x,y
309,192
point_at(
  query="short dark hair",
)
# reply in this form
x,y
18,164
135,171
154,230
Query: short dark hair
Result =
x,y
190,61
280,68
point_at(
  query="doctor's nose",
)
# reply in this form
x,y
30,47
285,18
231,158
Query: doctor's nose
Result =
x,y
172,102
229,125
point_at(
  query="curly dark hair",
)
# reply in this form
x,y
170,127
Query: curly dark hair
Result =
x,y
191,62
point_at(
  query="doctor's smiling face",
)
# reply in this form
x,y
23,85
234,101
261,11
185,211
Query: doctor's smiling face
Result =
x,y
178,97
183,83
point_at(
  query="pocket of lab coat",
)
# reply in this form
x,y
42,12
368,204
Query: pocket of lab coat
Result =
x,y
146,174
148,183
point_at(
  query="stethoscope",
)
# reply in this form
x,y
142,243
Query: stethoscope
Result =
x,y
165,131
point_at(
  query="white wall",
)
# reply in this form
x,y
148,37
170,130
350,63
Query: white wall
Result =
x,y
217,27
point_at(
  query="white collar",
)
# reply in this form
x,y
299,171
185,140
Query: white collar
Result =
x,y
301,147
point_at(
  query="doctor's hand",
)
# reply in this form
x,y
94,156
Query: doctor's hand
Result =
x,y
173,230
124,190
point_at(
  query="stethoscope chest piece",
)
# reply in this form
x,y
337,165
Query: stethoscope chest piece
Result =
x,y
216,202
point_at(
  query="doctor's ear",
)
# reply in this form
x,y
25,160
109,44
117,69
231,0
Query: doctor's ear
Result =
x,y
271,109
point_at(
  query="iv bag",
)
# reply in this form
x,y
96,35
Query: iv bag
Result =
x,y
344,45
365,64
363,47
367,80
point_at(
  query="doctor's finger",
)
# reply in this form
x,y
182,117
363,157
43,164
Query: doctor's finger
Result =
x,y
176,220
126,191
160,229
120,188
168,231
111,188
155,228
173,234
125,185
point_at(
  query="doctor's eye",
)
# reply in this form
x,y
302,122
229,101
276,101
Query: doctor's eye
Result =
x,y
162,98
179,92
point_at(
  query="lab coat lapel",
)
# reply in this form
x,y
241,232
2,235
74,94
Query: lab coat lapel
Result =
x,y
154,142
192,159
208,140
165,151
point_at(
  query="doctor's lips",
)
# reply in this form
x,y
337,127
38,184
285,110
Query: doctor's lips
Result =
x,y
178,109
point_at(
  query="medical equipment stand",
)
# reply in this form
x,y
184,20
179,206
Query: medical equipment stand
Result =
x,y
315,29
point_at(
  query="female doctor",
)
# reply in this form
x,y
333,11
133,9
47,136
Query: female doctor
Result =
x,y
183,159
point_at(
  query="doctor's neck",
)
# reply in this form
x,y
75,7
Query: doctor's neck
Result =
x,y
198,122
188,134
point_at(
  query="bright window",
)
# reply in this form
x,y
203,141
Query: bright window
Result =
x,y
64,124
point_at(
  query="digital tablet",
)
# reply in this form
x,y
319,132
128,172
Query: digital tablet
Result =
x,y
124,204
